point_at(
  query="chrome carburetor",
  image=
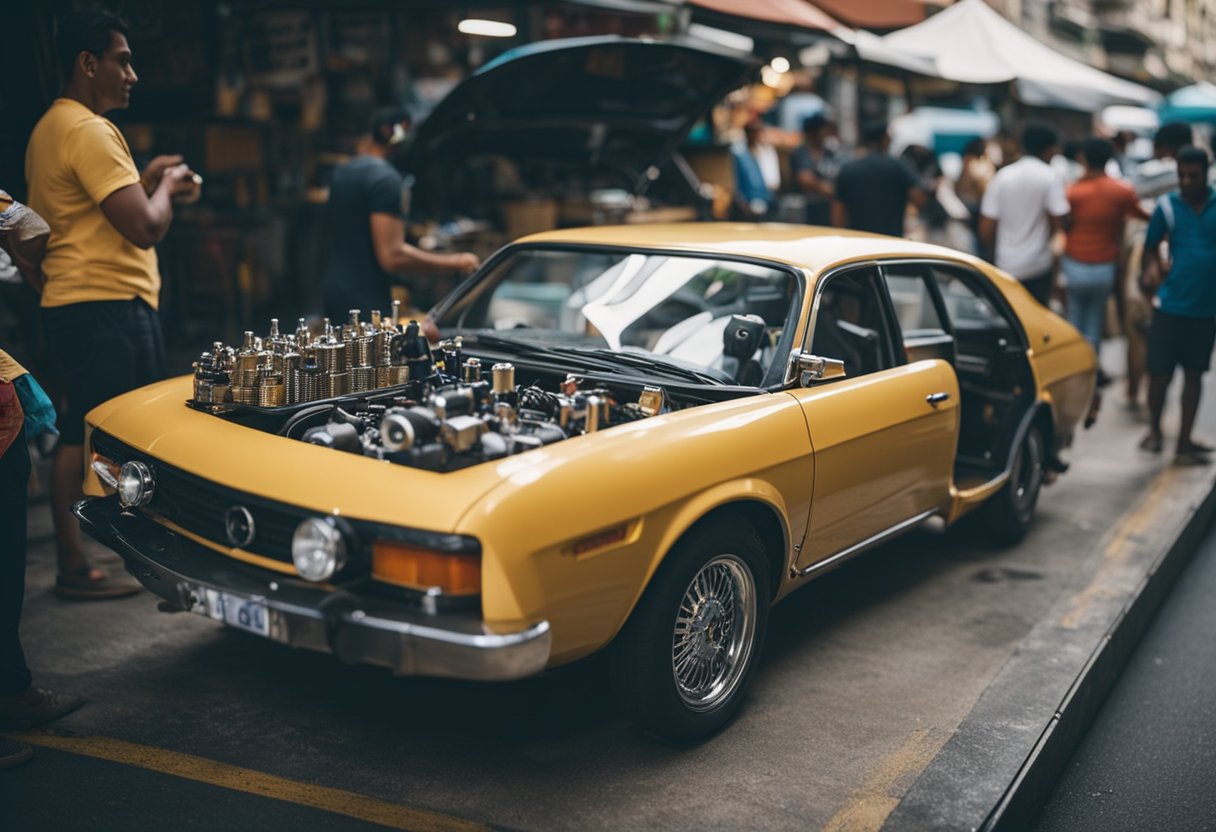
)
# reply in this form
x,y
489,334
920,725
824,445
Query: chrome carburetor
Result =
x,y
380,390
286,369
456,419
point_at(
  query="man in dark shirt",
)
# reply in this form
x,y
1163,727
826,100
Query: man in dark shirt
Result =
x,y
367,247
872,191
814,167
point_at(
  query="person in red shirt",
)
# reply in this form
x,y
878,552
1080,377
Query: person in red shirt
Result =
x,y
1100,206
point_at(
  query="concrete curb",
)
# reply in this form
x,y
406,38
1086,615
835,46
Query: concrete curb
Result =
x,y
1001,764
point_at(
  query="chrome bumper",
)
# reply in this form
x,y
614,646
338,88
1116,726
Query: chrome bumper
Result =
x,y
354,628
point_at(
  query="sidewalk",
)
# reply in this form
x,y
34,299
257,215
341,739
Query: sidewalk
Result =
x,y
1002,763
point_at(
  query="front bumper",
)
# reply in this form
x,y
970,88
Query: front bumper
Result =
x,y
356,629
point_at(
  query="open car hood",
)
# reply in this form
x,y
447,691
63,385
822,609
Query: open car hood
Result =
x,y
609,104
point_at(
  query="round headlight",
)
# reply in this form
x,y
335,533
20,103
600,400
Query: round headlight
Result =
x,y
317,549
134,484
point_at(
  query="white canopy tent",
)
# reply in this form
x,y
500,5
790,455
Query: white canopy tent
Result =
x,y
972,44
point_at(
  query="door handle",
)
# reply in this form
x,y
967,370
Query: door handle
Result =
x,y
936,398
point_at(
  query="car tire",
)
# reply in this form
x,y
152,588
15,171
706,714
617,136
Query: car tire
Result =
x,y
680,666
1008,513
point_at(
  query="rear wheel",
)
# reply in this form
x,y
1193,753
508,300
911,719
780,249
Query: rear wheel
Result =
x,y
1008,513
684,659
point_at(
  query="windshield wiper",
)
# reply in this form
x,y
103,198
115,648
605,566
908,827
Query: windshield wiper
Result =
x,y
590,358
531,349
649,361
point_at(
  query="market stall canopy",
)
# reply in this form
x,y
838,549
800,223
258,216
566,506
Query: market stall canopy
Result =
x,y
1142,121
874,14
1196,103
785,12
558,110
972,44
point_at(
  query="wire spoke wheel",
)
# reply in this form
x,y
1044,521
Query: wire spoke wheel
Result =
x,y
714,632
1009,513
1027,475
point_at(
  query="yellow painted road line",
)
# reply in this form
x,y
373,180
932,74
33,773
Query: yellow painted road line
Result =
x,y
867,808
237,779
1122,545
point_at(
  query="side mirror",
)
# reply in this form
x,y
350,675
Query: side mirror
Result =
x,y
808,369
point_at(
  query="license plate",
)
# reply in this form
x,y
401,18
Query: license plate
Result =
x,y
242,613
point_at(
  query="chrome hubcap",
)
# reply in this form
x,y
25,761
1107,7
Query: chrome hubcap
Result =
x,y
714,631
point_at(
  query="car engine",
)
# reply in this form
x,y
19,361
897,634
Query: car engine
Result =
x,y
380,390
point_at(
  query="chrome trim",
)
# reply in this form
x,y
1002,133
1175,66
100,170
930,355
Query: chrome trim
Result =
x,y
355,627
791,374
103,472
715,633
231,529
868,543
147,482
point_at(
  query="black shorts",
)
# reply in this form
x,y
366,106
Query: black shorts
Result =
x,y
101,349
1177,339
1039,285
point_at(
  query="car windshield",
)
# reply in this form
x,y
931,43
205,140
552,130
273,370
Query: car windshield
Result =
x,y
722,317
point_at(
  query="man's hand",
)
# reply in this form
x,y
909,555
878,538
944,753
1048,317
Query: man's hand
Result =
x,y
465,261
1059,294
140,218
150,178
430,329
1150,277
189,189
177,178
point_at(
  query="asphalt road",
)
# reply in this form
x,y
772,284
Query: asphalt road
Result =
x,y
867,673
1148,760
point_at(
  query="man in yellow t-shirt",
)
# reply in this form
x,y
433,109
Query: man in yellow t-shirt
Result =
x,y
102,281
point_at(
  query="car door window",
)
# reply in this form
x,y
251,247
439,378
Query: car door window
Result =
x,y
984,329
916,308
967,307
850,324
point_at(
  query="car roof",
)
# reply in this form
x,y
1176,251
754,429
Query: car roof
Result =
x,y
810,247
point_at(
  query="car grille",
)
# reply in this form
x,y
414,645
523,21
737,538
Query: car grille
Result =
x,y
199,506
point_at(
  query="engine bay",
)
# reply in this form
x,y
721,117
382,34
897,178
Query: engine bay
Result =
x,y
383,391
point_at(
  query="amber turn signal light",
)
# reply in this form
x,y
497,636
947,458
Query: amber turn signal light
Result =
x,y
410,566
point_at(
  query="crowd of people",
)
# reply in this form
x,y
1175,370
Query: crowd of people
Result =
x,y
1061,219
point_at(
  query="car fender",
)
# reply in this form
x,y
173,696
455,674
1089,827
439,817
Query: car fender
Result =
x,y
575,534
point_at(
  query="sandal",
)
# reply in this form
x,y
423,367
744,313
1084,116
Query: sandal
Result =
x,y
35,706
1196,447
1152,443
1188,459
90,584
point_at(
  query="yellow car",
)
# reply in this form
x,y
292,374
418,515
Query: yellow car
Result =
x,y
632,438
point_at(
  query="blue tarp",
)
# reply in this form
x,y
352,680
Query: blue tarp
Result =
x,y
1194,104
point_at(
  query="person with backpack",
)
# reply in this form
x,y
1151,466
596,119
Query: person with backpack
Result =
x,y
1183,292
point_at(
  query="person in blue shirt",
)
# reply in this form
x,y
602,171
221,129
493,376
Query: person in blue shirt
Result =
x,y
1183,292
753,196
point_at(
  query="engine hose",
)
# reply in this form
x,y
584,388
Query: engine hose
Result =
x,y
301,416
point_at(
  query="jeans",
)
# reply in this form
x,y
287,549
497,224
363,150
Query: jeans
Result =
x,y
1089,285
